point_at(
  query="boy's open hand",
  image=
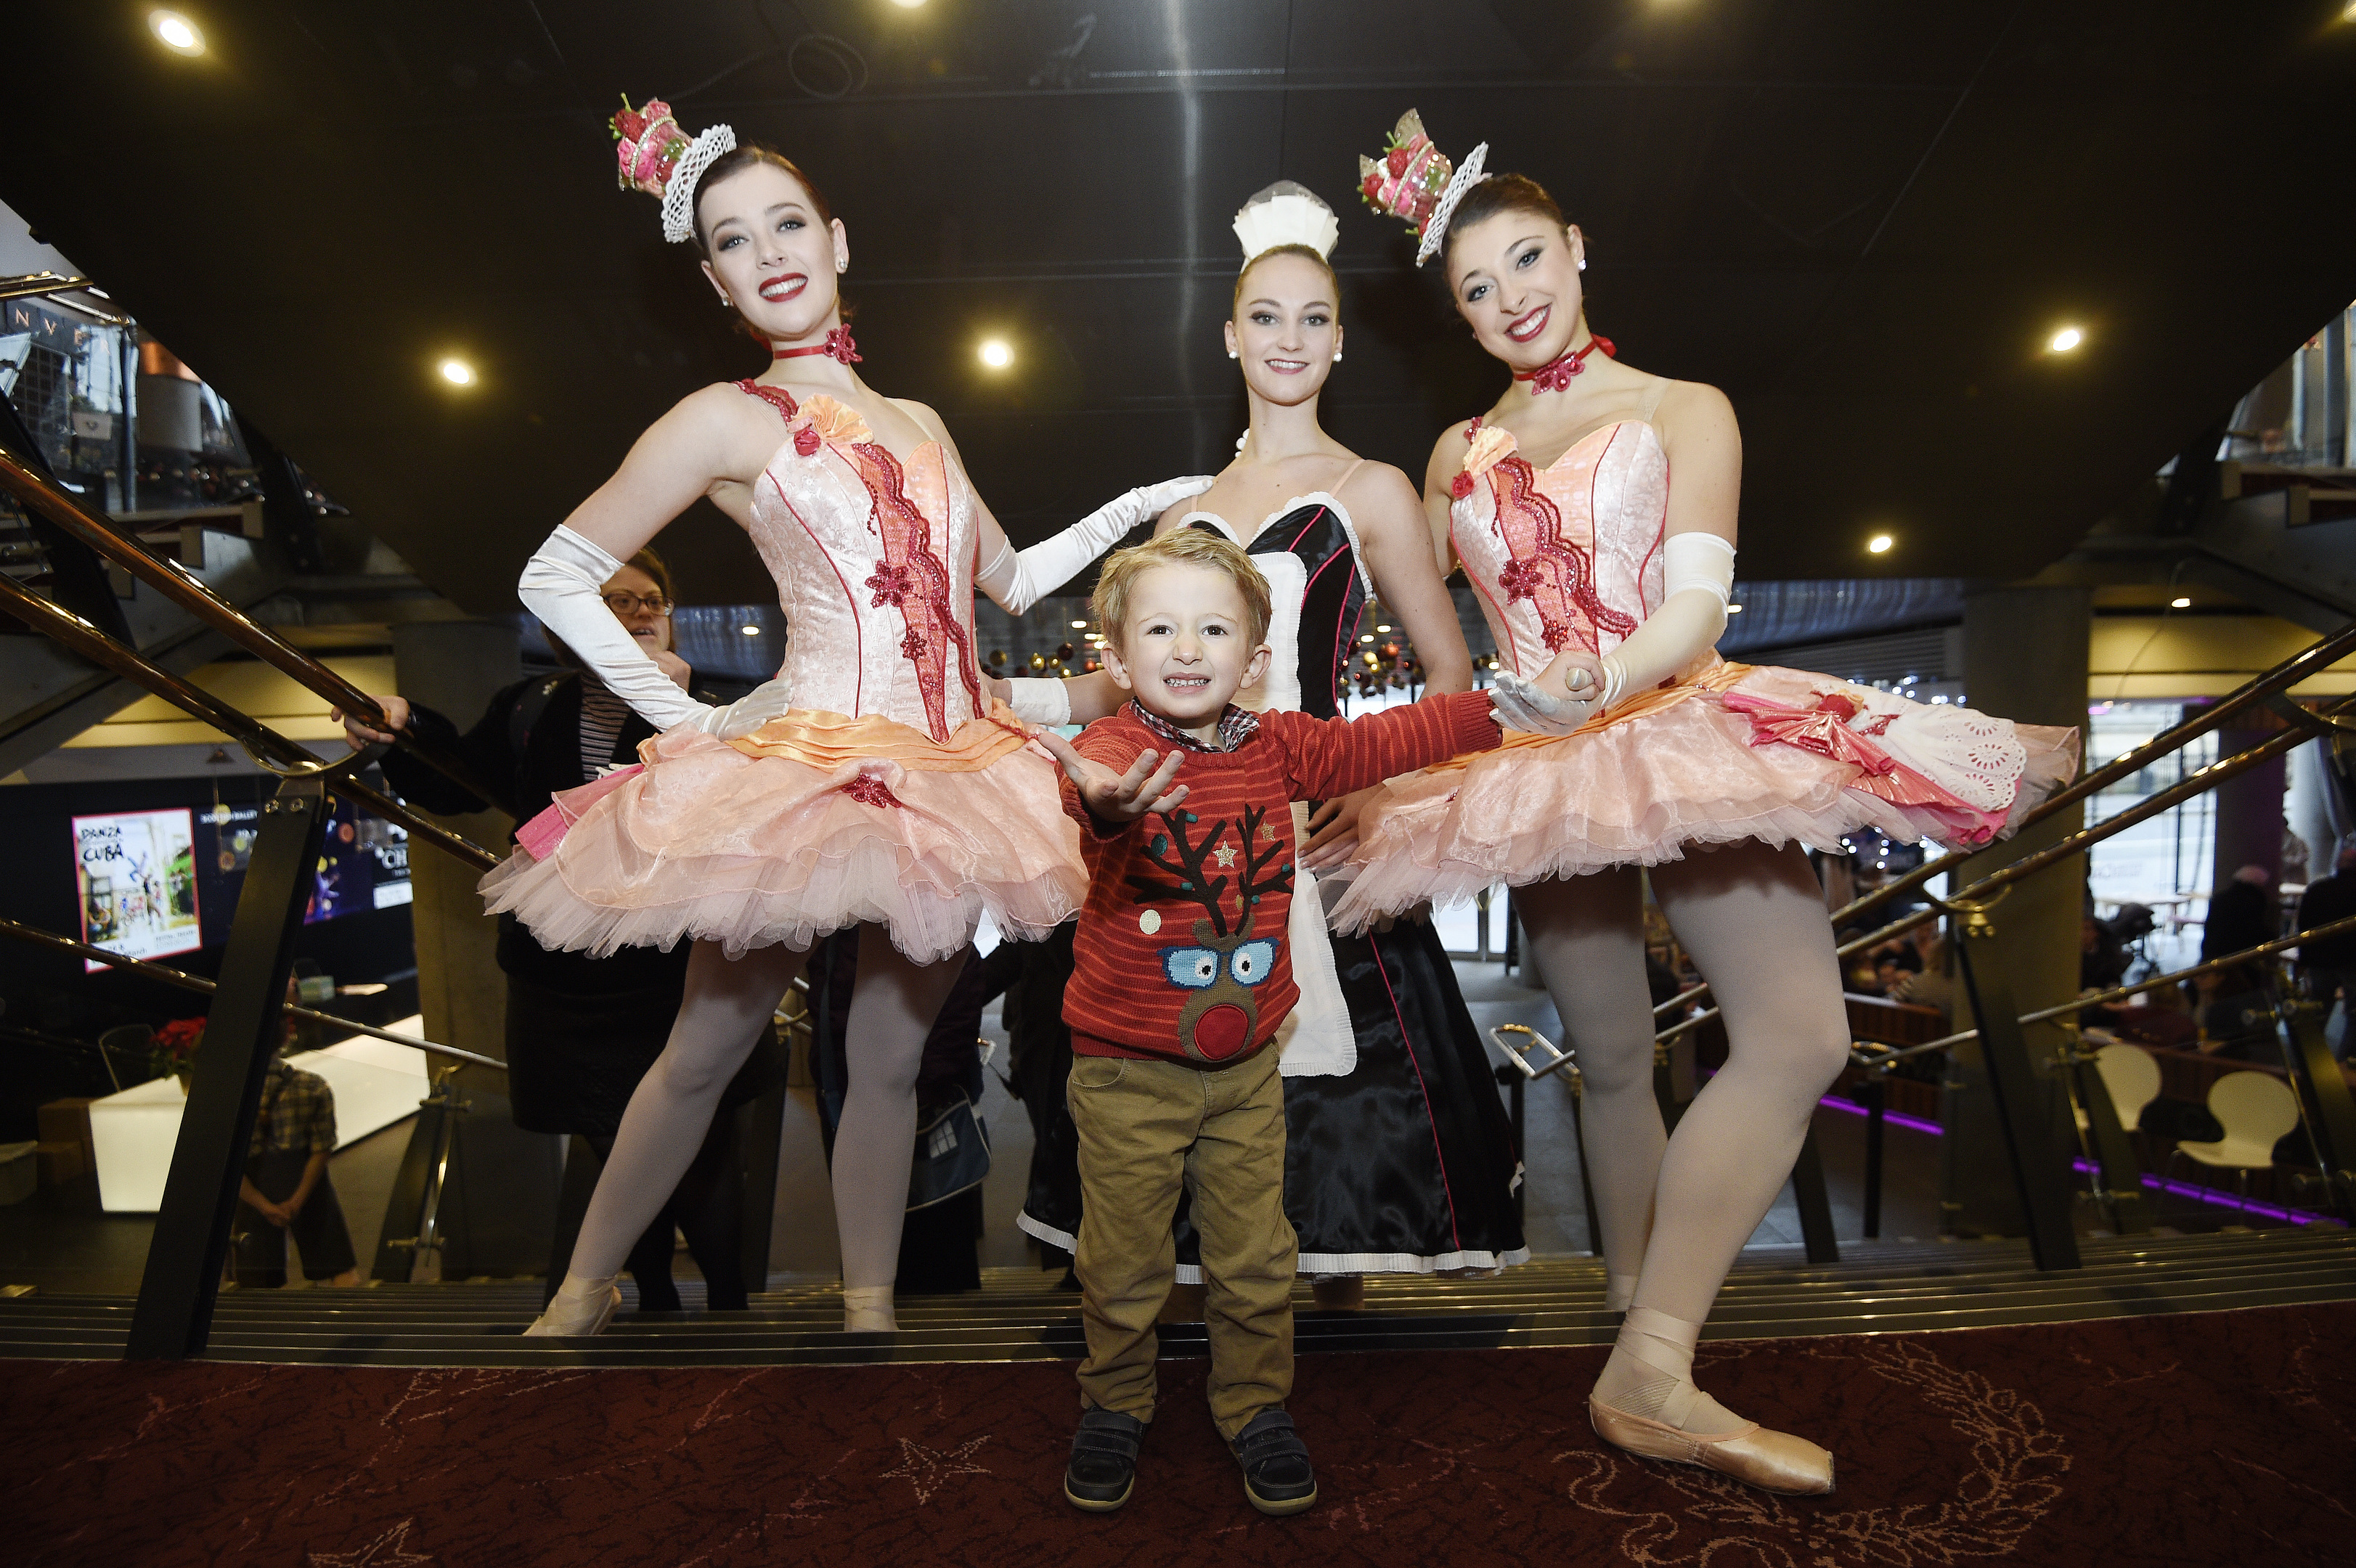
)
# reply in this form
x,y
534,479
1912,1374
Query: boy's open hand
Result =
x,y
1117,798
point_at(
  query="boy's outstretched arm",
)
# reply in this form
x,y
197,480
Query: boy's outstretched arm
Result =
x,y
1117,799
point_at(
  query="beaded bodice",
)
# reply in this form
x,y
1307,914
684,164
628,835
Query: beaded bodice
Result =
x,y
1565,556
874,559
1317,590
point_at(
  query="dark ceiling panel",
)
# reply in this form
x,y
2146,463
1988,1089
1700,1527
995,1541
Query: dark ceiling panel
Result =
x,y
1857,219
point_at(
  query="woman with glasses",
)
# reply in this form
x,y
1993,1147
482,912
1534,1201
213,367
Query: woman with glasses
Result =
x,y
581,1031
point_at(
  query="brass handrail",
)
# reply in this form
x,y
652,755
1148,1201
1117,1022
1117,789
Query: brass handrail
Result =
x,y
191,594
2151,806
2120,993
157,971
265,745
2314,657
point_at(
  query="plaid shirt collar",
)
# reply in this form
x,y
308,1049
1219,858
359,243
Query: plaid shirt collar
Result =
x,y
1236,726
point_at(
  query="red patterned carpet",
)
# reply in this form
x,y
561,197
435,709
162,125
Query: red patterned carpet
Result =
x,y
2218,1438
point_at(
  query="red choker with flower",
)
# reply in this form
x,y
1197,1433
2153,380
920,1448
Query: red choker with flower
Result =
x,y
838,348
1555,375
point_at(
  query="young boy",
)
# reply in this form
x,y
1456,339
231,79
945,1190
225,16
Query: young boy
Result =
x,y
1184,802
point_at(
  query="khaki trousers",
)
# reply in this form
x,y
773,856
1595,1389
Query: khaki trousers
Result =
x,y
1147,1127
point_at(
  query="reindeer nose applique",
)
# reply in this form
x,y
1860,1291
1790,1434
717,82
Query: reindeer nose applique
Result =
x,y
1222,1031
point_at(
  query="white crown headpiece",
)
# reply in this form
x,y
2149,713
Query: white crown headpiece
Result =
x,y
657,157
1286,213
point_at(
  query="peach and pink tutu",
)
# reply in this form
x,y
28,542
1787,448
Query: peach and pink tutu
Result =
x,y
893,793
1571,556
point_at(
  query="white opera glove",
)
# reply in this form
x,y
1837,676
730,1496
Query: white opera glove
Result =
x,y
1519,704
1698,584
766,701
564,586
1038,699
1017,580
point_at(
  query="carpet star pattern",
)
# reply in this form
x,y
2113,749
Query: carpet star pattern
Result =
x,y
928,1469
386,1551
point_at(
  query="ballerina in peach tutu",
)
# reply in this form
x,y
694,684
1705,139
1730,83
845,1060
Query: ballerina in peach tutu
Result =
x,y
1606,588
874,781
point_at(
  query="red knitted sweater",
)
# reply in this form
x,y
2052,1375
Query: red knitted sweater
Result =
x,y
1181,951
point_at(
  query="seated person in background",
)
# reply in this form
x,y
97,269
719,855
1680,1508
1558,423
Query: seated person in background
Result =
x,y
2235,1013
285,1189
2165,1020
2102,959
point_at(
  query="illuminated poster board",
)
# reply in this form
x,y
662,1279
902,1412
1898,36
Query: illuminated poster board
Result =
x,y
137,872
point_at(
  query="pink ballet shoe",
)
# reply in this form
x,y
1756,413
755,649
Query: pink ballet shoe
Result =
x,y
1771,1461
577,1316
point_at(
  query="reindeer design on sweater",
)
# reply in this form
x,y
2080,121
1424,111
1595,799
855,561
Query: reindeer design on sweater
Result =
x,y
1222,966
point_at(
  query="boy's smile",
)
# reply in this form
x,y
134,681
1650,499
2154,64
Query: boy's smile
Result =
x,y
1182,650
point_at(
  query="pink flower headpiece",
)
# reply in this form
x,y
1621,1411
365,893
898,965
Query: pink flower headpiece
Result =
x,y
1414,180
660,159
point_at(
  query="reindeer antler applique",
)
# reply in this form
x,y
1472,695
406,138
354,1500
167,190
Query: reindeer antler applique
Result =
x,y
1220,966
1187,884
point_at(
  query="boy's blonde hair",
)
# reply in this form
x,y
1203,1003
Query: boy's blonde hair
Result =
x,y
1180,547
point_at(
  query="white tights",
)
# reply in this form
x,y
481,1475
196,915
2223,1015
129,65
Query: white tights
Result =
x,y
727,1005
1677,1211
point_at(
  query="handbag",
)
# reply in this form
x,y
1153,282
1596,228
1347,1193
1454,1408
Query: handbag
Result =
x,y
952,1155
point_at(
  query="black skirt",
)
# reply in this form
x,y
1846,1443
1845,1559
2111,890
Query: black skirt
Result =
x,y
1404,1164
575,1058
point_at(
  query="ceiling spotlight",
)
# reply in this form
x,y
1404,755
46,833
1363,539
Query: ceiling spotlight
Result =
x,y
1879,544
1367,638
1079,625
1734,609
996,353
2066,339
457,372
177,33
751,631
908,5
2180,603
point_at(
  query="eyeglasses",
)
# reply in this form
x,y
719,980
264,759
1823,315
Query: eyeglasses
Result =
x,y
631,603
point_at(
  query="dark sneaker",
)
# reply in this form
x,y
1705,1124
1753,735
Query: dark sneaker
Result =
x,y
1276,1477
1104,1461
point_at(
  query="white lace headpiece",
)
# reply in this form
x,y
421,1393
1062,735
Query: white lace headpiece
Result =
x,y
1435,232
1286,213
679,194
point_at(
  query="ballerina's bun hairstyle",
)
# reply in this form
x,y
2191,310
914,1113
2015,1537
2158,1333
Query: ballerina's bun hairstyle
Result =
x,y
737,162
1502,193
1180,547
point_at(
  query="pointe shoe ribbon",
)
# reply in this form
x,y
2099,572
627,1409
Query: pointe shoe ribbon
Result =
x,y
578,1313
1771,1461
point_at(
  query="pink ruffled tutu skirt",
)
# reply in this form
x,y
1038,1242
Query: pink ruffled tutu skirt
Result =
x,y
1734,753
813,823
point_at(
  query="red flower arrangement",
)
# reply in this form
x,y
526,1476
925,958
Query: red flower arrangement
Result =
x,y
173,1052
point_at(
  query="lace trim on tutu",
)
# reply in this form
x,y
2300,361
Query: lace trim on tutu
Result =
x,y
1774,762
709,844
